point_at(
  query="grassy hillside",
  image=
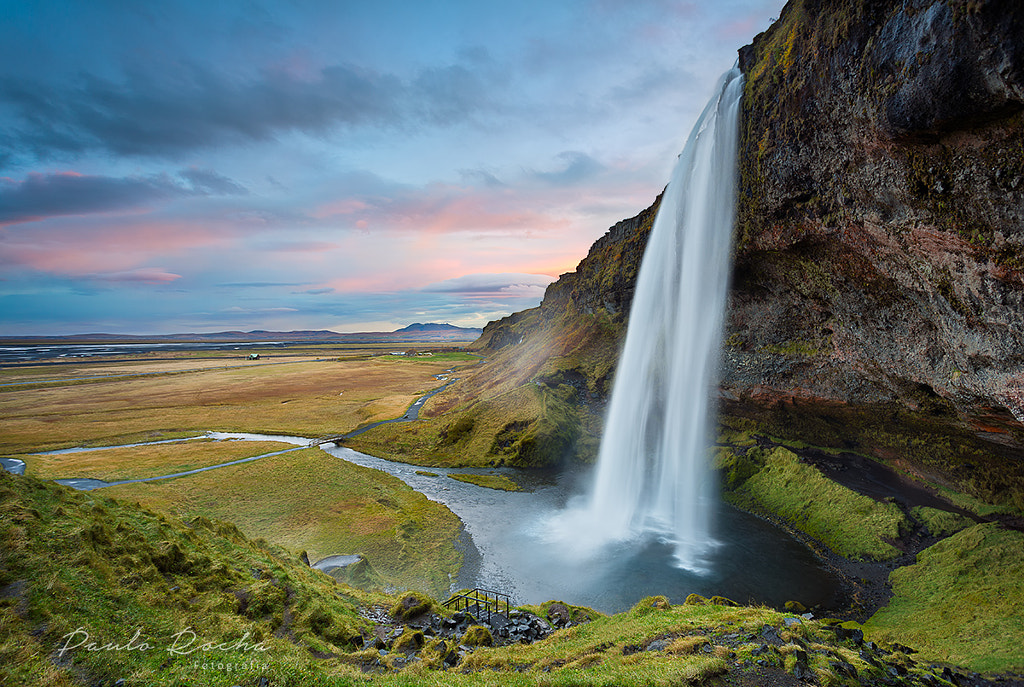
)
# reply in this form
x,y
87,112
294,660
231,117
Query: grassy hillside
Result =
x,y
310,501
96,591
79,569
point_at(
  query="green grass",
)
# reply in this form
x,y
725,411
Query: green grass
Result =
x,y
962,602
940,523
777,483
499,482
309,500
76,563
975,505
531,425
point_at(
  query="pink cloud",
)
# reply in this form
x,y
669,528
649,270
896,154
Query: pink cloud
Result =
x,y
80,248
346,206
142,275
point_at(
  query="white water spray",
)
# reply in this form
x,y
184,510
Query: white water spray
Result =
x,y
652,472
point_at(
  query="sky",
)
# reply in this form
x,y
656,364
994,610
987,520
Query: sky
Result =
x,y
187,166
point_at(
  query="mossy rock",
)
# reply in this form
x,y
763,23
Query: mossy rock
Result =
x,y
410,641
651,603
477,635
722,601
411,605
695,600
359,574
435,652
795,607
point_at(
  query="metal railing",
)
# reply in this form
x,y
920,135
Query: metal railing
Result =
x,y
479,601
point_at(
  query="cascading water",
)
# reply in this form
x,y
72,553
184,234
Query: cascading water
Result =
x,y
652,473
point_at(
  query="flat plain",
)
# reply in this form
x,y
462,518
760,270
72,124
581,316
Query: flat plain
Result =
x,y
304,500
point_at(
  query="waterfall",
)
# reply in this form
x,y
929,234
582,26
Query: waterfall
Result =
x,y
652,472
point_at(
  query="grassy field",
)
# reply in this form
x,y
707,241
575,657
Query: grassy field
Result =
x,y
310,501
302,500
141,462
301,397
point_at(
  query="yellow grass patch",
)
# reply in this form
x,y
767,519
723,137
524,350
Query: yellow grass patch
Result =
x,y
304,398
141,462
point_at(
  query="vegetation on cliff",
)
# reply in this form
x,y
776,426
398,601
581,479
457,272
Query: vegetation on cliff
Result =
x,y
962,600
776,483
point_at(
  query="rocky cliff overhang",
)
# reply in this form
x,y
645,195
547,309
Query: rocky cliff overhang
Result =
x,y
880,240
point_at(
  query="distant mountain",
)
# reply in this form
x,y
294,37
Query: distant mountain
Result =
x,y
435,327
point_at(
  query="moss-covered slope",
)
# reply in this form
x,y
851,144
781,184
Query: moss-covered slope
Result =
x,y
93,590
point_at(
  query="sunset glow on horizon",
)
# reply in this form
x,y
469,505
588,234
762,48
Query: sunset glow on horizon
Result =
x,y
199,167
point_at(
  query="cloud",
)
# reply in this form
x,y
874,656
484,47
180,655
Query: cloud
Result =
x,y
66,193
199,108
42,195
257,285
206,182
573,167
101,245
236,310
483,177
448,93
142,275
176,112
506,284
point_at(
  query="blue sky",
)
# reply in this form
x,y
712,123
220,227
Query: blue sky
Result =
x,y
204,166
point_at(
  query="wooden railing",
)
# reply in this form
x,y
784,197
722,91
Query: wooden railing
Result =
x,y
479,601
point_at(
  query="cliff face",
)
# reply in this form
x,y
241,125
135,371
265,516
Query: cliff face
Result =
x,y
881,226
878,288
880,240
